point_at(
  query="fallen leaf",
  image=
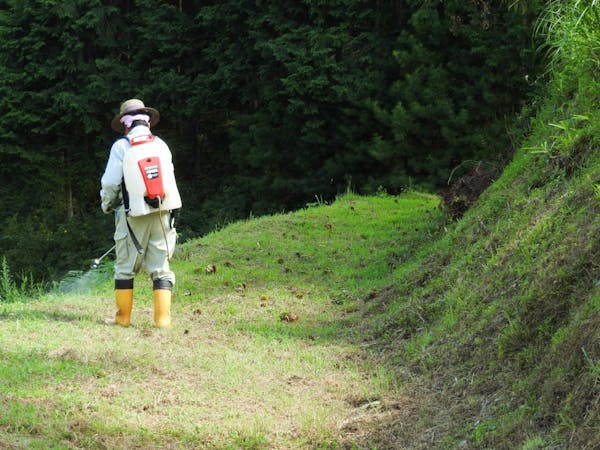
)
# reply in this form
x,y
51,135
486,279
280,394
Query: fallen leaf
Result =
x,y
288,317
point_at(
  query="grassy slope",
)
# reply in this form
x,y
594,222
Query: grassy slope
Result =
x,y
498,325
232,373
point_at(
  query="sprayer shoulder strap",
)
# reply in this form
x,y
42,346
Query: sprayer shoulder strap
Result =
x,y
137,244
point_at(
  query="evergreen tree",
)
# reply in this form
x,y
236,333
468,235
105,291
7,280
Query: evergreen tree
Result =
x,y
54,85
54,88
464,70
300,74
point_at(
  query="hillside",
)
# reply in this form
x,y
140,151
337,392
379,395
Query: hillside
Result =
x,y
368,323
497,325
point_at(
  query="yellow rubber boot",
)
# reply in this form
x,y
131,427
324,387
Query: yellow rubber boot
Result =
x,y
124,300
162,308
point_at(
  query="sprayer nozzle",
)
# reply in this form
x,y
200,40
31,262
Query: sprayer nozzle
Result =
x,y
96,262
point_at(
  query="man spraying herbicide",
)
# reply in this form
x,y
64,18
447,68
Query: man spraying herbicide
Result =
x,y
138,186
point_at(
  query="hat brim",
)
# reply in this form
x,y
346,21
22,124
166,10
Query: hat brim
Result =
x,y
116,124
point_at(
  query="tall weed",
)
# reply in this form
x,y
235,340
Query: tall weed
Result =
x,y
571,32
9,290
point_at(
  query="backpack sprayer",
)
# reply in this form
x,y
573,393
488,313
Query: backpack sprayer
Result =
x,y
149,179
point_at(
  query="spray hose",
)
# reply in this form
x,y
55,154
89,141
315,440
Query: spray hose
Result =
x,y
162,225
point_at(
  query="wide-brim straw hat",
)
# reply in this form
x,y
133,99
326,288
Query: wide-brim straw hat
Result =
x,y
133,106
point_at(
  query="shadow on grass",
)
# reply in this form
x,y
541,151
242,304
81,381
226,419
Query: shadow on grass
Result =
x,y
44,316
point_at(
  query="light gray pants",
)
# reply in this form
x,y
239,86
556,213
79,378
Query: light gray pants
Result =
x,y
151,238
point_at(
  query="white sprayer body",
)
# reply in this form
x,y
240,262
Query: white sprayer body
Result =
x,y
134,178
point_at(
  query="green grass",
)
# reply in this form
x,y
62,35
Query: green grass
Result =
x,y
232,373
500,315
408,332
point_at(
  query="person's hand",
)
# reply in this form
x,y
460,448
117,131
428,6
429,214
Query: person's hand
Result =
x,y
107,208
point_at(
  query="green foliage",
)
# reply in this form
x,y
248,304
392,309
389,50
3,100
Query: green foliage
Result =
x,y
302,131
44,246
458,88
265,105
50,98
570,32
8,290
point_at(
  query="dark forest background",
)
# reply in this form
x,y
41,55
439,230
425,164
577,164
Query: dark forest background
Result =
x,y
267,106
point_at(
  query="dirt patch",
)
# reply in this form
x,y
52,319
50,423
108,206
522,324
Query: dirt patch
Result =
x,y
458,196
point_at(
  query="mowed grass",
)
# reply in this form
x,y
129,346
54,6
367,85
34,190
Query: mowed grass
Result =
x,y
266,349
